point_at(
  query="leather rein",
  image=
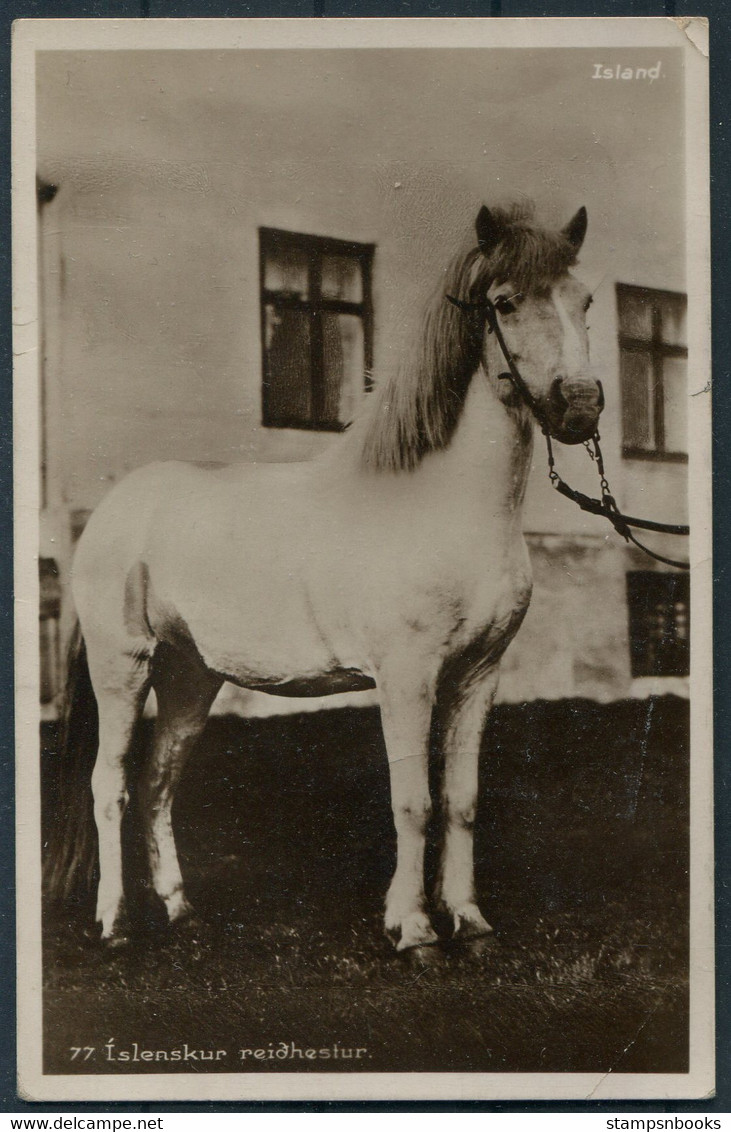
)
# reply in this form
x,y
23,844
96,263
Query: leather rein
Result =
x,y
606,507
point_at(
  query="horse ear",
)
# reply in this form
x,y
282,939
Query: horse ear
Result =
x,y
575,230
488,230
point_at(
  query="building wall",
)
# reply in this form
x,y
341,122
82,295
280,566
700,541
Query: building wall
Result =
x,y
166,168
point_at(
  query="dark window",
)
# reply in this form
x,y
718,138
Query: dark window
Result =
x,y
653,368
49,618
317,328
659,623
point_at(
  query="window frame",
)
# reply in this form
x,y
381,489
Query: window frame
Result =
x,y
658,350
315,249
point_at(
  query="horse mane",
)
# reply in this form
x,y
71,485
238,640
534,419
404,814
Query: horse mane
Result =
x,y
417,410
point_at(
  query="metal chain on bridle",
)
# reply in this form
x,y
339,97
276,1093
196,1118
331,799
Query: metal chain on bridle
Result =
x,y
606,506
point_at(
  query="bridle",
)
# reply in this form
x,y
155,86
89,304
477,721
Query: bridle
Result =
x,y
606,507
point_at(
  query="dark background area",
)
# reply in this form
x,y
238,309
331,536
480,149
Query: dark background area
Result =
x,y
287,846
718,13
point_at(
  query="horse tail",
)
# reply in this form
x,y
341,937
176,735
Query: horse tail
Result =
x,y
70,869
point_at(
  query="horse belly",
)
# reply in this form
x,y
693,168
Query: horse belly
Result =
x,y
251,619
267,645
322,684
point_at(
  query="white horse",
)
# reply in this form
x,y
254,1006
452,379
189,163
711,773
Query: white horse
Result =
x,y
396,560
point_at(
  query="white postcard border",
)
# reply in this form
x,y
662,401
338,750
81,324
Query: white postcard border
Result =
x,y
31,36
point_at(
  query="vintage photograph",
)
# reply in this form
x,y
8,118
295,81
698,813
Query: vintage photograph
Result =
x,y
362,441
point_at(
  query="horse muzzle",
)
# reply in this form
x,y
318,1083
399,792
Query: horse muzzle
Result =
x,y
573,407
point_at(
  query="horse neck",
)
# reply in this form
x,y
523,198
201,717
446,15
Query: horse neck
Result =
x,y
489,456
482,471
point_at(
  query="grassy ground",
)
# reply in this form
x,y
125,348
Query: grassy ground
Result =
x,y
287,847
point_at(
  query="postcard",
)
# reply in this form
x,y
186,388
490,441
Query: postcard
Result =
x,y
362,497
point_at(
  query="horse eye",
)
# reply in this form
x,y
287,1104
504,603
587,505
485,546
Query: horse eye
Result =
x,y
588,303
504,305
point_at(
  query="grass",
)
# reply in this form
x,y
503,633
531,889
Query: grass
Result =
x,y
287,847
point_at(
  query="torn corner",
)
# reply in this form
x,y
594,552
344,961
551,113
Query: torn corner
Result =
x,y
696,31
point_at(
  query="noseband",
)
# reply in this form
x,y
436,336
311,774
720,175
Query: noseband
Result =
x,y
606,507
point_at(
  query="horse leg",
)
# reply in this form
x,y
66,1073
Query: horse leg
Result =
x,y
464,723
185,690
406,719
120,687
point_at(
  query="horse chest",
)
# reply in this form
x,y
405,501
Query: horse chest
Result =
x,y
496,607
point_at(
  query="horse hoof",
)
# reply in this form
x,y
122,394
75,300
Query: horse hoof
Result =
x,y
477,947
415,931
469,924
189,929
115,943
424,957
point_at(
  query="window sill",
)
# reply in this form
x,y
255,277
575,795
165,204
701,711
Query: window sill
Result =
x,y
645,687
305,426
654,455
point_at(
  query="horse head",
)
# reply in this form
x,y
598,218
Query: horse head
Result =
x,y
536,321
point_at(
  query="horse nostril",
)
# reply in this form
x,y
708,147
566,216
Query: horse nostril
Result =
x,y
557,395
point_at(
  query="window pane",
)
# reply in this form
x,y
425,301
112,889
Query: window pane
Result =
x,y
673,312
286,270
635,315
343,356
50,612
50,676
287,383
341,278
675,394
637,416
